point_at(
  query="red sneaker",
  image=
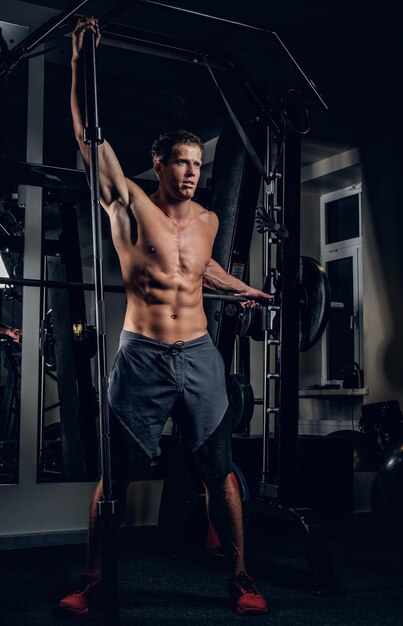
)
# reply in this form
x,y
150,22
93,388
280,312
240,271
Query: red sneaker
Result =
x,y
246,598
84,596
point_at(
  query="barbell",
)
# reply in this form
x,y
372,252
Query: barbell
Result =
x,y
314,309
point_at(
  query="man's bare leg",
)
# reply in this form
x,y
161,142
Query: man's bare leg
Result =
x,y
225,512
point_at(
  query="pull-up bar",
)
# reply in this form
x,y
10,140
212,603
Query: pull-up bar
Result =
x,y
19,52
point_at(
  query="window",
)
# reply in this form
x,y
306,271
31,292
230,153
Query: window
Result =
x,y
341,256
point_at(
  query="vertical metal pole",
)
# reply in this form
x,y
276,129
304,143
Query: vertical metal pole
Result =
x,y
266,350
107,506
236,358
31,197
41,400
287,425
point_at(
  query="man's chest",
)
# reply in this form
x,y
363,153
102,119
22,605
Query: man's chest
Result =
x,y
172,248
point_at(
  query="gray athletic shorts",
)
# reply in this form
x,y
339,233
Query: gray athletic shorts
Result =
x,y
150,381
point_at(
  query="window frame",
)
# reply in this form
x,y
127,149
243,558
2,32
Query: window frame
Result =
x,y
339,250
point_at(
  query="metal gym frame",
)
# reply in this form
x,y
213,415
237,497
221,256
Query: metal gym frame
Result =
x,y
278,483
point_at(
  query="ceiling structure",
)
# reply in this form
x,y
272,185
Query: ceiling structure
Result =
x,y
351,54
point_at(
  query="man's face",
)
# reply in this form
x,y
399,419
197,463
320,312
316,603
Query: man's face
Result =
x,y
180,176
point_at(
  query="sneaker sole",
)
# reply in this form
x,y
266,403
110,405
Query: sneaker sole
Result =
x,y
251,610
66,609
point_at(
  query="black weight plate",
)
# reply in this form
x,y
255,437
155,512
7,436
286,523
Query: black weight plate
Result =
x,y
241,401
251,324
249,407
247,317
314,302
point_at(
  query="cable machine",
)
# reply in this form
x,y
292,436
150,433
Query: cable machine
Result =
x,y
283,270
283,186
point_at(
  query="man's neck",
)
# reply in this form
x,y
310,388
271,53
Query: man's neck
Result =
x,y
177,210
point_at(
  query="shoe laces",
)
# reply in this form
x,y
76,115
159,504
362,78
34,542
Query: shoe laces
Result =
x,y
245,583
86,584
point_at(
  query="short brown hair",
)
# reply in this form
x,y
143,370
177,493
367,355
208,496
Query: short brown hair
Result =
x,y
163,145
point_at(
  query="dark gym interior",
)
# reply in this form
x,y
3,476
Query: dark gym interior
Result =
x,y
310,211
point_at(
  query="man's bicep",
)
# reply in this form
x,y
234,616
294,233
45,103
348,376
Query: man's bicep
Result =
x,y
123,225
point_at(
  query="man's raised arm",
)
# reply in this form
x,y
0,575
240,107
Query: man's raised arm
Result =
x,y
114,187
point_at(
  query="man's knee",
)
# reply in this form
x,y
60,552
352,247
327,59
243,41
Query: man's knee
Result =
x,y
219,485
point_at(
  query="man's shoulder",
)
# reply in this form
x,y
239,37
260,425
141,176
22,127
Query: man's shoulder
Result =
x,y
202,213
209,218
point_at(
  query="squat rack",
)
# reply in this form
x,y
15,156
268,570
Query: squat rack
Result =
x,y
288,343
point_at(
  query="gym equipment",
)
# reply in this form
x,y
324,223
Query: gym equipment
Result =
x,y
367,454
19,52
314,308
9,411
325,479
106,507
241,402
64,353
72,285
314,302
233,197
388,484
279,488
83,337
254,322
277,115
382,422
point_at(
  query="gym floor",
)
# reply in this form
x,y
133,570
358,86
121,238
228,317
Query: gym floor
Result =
x,y
156,588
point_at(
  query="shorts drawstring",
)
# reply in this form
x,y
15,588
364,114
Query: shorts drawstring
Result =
x,y
175,348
